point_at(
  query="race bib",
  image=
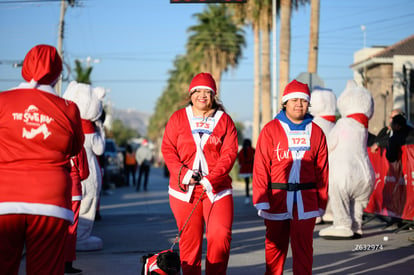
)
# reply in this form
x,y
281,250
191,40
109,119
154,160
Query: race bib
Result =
x,y
202,125
298,141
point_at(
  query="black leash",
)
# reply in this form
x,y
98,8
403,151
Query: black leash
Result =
x,y
182,229
192,211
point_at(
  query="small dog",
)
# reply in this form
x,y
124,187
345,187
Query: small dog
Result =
x,y
166,262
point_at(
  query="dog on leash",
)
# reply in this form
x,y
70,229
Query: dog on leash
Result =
x,y
166,262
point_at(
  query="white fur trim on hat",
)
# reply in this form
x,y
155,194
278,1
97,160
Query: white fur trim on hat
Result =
x,y
202,87
292,95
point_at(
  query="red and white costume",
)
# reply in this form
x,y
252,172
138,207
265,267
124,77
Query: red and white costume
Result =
x,y
79,172
192,143
290,213
323,109
89,102
352,177
246,158
151,265
274,162
38,135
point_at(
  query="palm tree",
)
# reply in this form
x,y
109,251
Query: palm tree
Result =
x,y
216,42
285,36
284,42
83,75
250,14
265,27
172,96
214,45
314,37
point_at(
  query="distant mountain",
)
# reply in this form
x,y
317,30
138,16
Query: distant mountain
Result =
x,y
139,121
133,119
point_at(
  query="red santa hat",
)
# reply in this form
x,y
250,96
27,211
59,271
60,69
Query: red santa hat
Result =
x,y
203,81
296,89
42,65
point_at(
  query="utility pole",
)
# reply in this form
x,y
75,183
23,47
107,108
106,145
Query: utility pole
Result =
x,y
407,95
274,47
63,7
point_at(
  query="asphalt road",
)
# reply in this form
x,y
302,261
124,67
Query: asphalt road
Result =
x,y
137,223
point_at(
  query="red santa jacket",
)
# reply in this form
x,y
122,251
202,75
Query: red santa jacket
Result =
x,y
38,135
215,151
273,164
78,173
246,159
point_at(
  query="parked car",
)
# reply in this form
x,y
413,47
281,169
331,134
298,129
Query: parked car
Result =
x,y
114,163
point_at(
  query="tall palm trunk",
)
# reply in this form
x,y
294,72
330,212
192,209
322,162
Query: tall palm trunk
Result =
x,y
265,65
314,37
216,72
284,44
211,65
256,95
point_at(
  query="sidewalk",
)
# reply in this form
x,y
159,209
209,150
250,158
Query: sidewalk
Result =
x,y
137,223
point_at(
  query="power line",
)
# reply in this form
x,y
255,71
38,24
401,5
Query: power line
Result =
x,y
29,1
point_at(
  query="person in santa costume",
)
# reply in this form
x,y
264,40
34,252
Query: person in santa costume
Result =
x,y
79,172
90,103
246,158
39,134
352,177
323,109
290,181
200,148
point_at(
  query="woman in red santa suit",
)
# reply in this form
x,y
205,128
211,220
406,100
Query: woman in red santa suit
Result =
x,y
290,181
199,149
39,134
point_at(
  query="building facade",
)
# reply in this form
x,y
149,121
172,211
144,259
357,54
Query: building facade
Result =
x,y
388,73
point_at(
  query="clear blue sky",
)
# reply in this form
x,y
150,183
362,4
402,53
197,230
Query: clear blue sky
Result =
x,y
136,42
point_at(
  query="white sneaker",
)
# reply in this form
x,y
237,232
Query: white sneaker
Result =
x,y
90,244
336,232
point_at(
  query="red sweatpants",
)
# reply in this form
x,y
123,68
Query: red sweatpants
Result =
x,y
300,233
70,243
44,238
218,218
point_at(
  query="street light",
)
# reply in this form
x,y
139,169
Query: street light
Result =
x,y
18,64
363,29
89,60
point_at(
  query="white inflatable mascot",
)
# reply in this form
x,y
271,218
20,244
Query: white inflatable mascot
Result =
x,y
323,109
351,176
89,101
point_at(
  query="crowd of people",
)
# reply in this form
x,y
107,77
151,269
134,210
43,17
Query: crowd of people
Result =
x,y
292,171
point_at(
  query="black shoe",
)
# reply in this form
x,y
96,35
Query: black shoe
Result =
x,y
73,271
357,236
69,269
98,216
